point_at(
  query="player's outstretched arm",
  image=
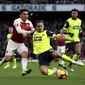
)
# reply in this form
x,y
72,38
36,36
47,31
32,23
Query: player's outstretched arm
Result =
x,y
60,37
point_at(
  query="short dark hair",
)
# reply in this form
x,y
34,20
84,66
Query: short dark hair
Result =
x,y
22,10
39,21
74,10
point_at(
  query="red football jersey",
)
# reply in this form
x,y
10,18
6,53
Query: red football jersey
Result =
x,y
27,25
60,42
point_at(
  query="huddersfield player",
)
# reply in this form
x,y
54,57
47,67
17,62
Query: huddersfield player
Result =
x,y
44,51
72,28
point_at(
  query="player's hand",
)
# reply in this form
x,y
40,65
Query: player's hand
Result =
x,y
29,32
32,31
72,40
71,34
25,34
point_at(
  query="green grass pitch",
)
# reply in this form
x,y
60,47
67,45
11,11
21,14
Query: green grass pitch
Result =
x,y
13,77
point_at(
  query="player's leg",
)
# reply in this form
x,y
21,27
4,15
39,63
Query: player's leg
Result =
x,y
59,60
62,51
23,51
24,62
47,71
7,58
65,64
77,53
66,58
14,62
44,61
11,46
69,49
7,65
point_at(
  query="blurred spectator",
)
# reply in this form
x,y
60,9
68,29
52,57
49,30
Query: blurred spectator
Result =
x,y
69,1
3,33
42,1
14,1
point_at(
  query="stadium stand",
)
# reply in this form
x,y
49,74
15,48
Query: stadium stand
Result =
x,y
69,1
14,1
43,1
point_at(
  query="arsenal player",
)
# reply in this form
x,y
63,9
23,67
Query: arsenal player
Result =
x,y
21,28
61,48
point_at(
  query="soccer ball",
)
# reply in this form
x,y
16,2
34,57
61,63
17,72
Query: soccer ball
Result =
x,y
62,74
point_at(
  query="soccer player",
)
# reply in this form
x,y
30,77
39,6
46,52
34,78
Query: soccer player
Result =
x,y
72,28
44,51
61,48
10,29
22,28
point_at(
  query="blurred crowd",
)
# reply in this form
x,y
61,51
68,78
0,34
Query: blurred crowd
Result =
x,y
42,1
63,1
53,25
3,34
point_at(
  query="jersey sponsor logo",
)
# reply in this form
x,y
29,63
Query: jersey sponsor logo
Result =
x,y
76,27
37,38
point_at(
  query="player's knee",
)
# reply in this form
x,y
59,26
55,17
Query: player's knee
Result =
x,y
7,58
43,71
24,54
55,54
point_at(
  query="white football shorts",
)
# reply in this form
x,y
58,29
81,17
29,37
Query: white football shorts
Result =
x,y
12,46
61,49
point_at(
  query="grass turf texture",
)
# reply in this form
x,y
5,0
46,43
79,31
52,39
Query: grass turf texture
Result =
x,y
13,77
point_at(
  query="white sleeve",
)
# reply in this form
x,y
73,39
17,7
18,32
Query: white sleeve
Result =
x,y
31,27
18,28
